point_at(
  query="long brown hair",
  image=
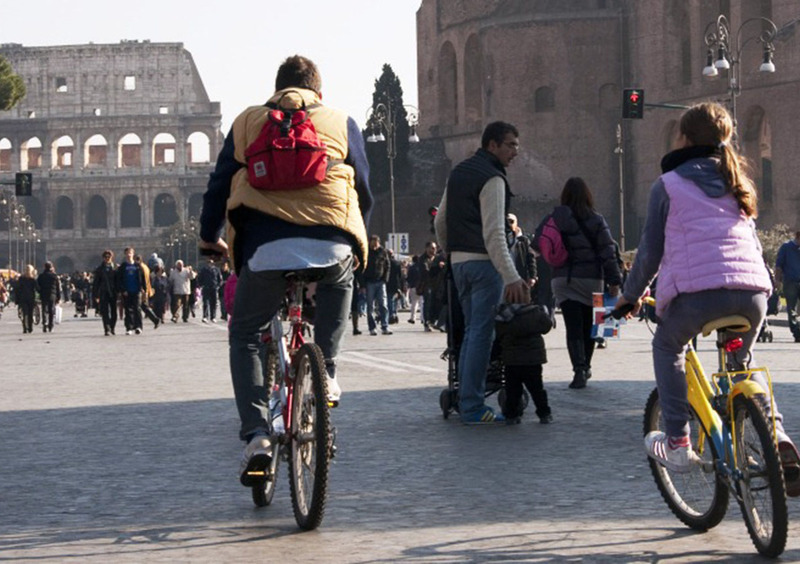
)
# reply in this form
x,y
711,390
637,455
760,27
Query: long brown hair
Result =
x,y
577,197
710,124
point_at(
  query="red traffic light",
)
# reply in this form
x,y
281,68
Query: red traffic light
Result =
x,y
432,211
634,97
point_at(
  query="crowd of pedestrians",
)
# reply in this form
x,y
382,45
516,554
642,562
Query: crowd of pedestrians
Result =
x,y
131,291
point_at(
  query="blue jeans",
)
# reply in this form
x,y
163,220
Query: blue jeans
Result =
x,y
480,289
259,295
376,291
682,321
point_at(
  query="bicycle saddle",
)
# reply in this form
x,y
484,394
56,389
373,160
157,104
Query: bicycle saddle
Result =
x,y
735,323
307,275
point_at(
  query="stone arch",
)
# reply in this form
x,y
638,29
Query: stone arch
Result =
x,y
33,208
130,212
95,151
198,148
65,213
31,154
130,151
164,149
97,213
448,85
544,99
5,154
165,211
195,205
62,153
64,265
473,79
757,146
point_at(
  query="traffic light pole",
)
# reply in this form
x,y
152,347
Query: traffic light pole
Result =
x,y
619,151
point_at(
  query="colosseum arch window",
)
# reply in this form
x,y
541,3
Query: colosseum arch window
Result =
x,y
31,154
198,148
5,155
33,208
758,149
97,216
165,211
130,151
195,205
65,214
163,149
544,100
473,79
64,265
130,212
95,151
448,85
63,151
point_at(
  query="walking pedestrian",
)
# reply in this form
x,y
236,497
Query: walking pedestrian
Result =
x,y
471,226
104,291
787,275
25,293
50,293
376,276
180,283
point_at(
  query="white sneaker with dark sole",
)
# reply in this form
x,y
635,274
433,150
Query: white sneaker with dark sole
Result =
x,y
682,459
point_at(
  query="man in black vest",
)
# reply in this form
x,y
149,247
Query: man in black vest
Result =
x,y
471,226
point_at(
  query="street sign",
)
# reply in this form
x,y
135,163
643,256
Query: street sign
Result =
x,y
399,243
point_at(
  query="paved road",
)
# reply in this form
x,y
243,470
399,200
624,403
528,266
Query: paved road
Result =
x,y
124,449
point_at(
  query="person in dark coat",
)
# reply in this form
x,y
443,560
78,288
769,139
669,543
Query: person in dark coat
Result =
x,y
104,291
50,292
519,330
25,296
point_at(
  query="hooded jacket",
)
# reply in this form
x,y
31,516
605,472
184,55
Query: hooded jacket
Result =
x,y
696,238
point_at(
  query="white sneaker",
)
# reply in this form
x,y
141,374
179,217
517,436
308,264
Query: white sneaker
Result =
x,y
256,460
334,392
681,459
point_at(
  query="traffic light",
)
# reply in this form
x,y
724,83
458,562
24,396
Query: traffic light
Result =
x,y
432,211
23,183
633,103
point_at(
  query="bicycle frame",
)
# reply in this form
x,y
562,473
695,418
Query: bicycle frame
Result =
x,y
703,396
287,345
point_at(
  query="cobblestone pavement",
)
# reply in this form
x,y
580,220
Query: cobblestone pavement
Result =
x,y
125,449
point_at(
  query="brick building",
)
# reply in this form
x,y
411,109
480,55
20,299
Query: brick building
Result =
x,y
119,139
557,69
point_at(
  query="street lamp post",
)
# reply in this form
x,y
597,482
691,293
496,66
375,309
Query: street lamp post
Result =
x,y
384,118
728,56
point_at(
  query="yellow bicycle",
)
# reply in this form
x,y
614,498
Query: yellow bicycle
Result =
x,y
736,442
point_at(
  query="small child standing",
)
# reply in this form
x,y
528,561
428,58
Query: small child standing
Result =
x,y
519,330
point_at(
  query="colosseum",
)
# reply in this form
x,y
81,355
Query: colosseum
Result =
x,y
557,70
119,140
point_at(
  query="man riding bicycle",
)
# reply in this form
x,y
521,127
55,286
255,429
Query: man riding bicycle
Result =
x,y
272,232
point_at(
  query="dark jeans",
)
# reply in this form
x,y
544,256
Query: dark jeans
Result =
x,y
210,304
133,313
791,289
578,323
108,311
27,315
48,312
530,377
259,296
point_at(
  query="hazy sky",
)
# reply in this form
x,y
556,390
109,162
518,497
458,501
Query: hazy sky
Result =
x,y
238,45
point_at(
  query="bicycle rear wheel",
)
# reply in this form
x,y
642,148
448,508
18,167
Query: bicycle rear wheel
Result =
x,y
311,437
698,498
761,487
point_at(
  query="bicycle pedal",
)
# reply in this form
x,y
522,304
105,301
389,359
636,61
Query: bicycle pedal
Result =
x,y
333,404
707,466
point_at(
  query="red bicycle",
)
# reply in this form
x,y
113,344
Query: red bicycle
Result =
x,y
302,433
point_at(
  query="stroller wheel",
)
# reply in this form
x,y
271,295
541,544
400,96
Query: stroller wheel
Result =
x,y
769,336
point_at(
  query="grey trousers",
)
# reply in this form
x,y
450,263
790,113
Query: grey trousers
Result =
x,y
259,296
683,320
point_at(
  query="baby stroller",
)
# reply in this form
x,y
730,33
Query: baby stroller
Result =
x,y
773,308
495,374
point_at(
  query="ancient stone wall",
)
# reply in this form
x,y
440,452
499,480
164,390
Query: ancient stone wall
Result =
x,y
120,140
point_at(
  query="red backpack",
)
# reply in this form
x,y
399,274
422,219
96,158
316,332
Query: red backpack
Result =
x,y
287,154
551,244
